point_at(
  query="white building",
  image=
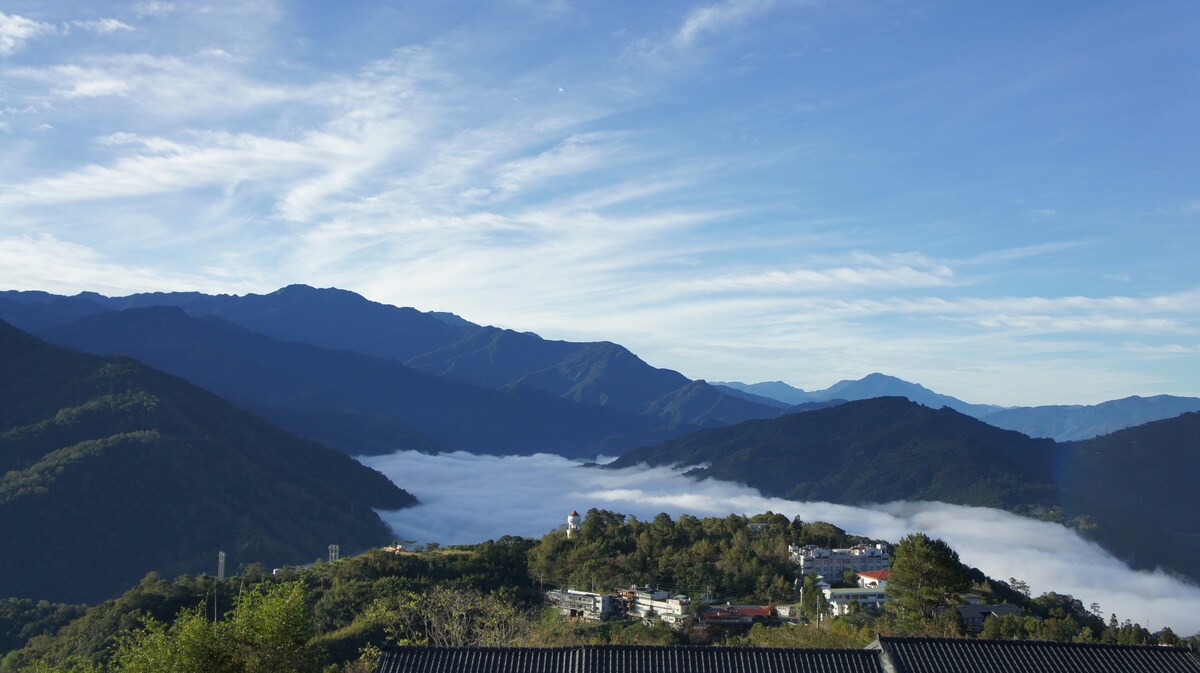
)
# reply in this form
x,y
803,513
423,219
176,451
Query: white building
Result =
x,y
649,603
873,579
581,604
840,600
832,563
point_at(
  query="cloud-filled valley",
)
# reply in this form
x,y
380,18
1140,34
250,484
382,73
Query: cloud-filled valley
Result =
x,y
469,498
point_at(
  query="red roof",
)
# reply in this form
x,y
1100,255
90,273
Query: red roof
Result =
x,y
875,574
753,612
574,513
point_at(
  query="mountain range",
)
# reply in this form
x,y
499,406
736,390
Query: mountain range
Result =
x,y
112,469
1059,422
331,365
1132,490
448,347
369,378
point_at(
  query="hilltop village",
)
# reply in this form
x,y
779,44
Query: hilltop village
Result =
x,y
848,580
764,581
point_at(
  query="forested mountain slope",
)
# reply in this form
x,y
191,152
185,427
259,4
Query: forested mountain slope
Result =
x,y
875,450
1139,486
112,469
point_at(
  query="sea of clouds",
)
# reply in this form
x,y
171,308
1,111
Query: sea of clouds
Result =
x,y
467,498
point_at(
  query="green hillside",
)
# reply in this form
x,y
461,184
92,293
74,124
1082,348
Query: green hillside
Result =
x,y
112,469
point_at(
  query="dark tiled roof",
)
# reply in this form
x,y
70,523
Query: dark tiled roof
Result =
x,y
626,659
985,609
945,655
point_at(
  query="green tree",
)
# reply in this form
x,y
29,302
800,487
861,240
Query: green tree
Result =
x,y
189,645
267,631
452,617
926,579
812,600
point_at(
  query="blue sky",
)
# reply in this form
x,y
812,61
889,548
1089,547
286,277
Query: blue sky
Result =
x,y
998,200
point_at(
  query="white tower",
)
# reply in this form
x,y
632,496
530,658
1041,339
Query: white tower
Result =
x,y
220,565
335,552
572,523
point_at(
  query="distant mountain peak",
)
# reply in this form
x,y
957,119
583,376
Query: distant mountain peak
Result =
x,y
302,290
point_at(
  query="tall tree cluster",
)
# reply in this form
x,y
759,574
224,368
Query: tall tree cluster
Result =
x,y
925,583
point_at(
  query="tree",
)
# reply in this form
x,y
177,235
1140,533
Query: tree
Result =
x,y
267,631
452,617
812,600
926,578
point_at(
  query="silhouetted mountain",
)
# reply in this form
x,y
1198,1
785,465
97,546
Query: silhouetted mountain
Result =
x,y
32,311
869,386
602,373
1059,422
757,399
358,403
112,469
874,450
882,385
775,390
328,318
1075,422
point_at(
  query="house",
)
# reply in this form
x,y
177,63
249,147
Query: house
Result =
x,y
841,601
873,579
650,603
974,614
893,655
581,604
736,615
833,563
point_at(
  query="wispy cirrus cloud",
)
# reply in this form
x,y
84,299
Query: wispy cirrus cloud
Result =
x,y
155,7
16,30
178,88
895,272
105,26
45,262
159,165
74,81
717,18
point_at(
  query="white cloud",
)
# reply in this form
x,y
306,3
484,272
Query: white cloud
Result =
x,y
204,85
718,18
575,154
881,273
44,262
467,498
156,8
16,30
103,26
72,81
164,166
